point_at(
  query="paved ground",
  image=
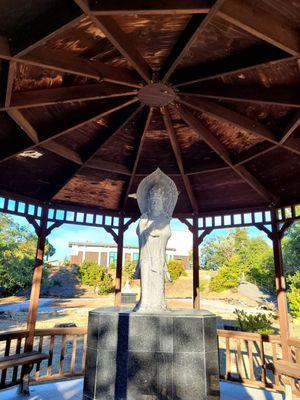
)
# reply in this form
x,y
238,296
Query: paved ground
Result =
x,y
72,390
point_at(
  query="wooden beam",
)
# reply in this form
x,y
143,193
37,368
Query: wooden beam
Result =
x,y
66,94
103,165
176,149
222,152
280,96
253,152
10,82
71,128
221,113
63,151
118,280
194,28
292,126
62,61
262,24
139,145
196,269
153,7
120,40
247,61
24,124
104,140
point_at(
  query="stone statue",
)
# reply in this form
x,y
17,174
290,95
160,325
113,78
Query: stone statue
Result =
x,y
157,196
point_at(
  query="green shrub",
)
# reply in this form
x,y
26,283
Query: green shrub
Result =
x,y
228,275
202,286
112,265
294,301
176,269
91,274
258,323
128,270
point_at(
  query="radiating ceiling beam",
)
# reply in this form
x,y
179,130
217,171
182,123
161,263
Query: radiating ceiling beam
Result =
x,y
194,28
177,152
120,40
221,113
279,96
139,143
153,7
24,124
222,152
65,131
66,94
93,153
261,23
62,151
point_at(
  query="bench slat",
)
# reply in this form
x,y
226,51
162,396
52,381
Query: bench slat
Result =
x,y
287,368
22,359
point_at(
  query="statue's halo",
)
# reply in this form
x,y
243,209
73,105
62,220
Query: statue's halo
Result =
x,y
170,193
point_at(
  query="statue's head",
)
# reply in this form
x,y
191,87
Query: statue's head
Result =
x,y
155,202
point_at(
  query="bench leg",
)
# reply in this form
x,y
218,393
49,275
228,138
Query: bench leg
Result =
x,y
24,385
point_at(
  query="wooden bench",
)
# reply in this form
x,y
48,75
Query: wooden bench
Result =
x,y
27,361
290,370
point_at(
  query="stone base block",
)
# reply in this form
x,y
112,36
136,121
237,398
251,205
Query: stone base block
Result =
x,y
136,356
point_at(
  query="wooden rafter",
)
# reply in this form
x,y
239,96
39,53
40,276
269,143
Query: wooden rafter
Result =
x,y
10,82
109,166
153,7
63,151
231,65
71,128
176,149
262,24
59,60
279,96
43,97
24,124
140,143
292,126
193,29
222,113
222,152
104,140
120,40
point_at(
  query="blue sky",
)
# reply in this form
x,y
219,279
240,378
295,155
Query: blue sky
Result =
x,y
60,237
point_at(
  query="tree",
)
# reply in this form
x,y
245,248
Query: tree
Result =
x,y
17,254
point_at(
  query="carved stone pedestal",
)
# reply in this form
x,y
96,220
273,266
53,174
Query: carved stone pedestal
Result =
x,y
136,356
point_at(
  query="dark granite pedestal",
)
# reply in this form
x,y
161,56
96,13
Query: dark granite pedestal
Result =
x,y
136,356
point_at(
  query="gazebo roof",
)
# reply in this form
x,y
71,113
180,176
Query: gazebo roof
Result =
x,y
96,95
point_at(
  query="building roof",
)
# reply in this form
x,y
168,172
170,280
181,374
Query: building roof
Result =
x,y
93,99
102,244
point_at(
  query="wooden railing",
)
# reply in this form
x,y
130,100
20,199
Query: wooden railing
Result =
x,y
244,357
249,357
66,348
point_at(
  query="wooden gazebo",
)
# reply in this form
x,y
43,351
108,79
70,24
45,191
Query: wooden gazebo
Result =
x,y
95,95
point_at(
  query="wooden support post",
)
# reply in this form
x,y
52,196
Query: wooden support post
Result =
x,y
196,294
36,280
280,287
118,284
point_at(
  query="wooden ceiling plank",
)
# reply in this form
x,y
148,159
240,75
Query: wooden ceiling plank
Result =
x,y
177,152
71,128
262,24
225,114
140,143
43,97
109,166
63,151
89,159
153,7
280,96
194,28
222,152
232,65
119,39
24,124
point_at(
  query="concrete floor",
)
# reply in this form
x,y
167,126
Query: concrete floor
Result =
x,y
72,390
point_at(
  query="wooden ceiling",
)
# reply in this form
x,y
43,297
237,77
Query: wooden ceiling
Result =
x,y
82,120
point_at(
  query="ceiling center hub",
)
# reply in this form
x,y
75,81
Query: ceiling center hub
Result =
x,y
156,95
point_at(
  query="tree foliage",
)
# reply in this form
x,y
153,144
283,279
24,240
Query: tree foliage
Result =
x,y
17,254
258,323
176,269
91,274
238,254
